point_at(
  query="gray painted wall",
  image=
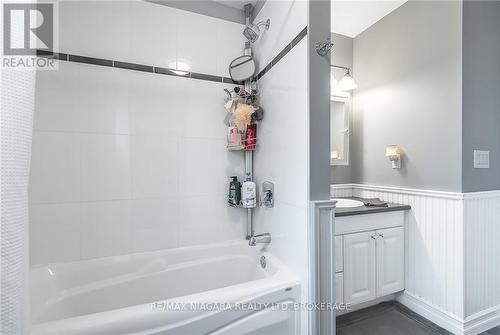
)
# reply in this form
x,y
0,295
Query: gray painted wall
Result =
x,y
342,55
481,93
319,102
408,69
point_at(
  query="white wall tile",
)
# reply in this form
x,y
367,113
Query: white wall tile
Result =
x,y
105,171
69,27
56,99
103,30
288,18
153,40
156,105
103,100
281,134
155,166
155,223
232,222
200,217
196,38
202,112
197,167
105,228
55,167
55,233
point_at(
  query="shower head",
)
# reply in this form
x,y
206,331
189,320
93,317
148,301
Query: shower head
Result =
x,y
252,31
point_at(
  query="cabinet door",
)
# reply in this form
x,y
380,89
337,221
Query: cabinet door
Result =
x,y
390,261
339,288
359,267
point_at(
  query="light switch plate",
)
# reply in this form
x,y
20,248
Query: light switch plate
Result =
x,y
481,159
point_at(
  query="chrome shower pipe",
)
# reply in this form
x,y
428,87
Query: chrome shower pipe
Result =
x,y
341,67
248,13
249,174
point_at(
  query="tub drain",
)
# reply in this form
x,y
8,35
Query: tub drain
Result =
x,y
263,262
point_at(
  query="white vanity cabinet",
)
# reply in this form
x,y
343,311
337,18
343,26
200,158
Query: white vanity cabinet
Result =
x,y
372,251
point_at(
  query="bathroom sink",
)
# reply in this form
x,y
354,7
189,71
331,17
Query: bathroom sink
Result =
x,y
348,203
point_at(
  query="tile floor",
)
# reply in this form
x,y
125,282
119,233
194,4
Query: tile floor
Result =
x,y
390,318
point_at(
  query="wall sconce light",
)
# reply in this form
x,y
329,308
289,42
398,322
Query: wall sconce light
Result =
x,y
347,83
394,153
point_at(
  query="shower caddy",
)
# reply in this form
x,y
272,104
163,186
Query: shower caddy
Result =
x,y
245,97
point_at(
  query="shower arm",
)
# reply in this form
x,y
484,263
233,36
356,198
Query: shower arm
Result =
x,y
348,69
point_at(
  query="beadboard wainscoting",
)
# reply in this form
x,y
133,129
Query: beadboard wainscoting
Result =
x,y
482,263
451,240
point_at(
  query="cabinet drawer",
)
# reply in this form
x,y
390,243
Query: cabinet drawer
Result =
x,y
339,288
368,222
339,254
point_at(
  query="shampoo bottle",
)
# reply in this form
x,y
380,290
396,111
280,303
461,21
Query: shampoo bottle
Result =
x,y
234,196
248,194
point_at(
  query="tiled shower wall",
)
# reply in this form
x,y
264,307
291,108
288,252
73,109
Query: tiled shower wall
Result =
x,y
127,161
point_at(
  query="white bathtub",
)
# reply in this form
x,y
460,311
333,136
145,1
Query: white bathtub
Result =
x,y
137,294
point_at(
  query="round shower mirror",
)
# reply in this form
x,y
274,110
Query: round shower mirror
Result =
x,y
242,68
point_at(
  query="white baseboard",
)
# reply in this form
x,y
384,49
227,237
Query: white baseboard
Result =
x,y
482,321
432,313
472,325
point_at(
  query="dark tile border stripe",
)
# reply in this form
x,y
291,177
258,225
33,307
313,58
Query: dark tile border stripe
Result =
x,y
168,72
208,77
51,55
165,71
132,66
283,53
90,60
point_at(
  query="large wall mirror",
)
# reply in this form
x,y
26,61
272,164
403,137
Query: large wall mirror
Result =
x,y
339,130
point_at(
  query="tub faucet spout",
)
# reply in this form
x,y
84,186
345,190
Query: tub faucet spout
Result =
x,y
264,238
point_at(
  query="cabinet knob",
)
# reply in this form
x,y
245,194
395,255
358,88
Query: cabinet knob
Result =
x,y
381,235
373,236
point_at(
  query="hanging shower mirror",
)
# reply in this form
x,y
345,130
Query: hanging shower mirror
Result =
x,y
242,68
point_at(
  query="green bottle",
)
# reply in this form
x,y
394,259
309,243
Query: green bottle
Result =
x,y
234,196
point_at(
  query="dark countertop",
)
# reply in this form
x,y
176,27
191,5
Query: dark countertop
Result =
x,y
392,207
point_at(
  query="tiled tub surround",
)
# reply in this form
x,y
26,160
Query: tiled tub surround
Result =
x,y
123,160
127,161
452,273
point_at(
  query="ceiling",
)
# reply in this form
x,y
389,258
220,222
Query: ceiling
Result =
x,y
351,17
